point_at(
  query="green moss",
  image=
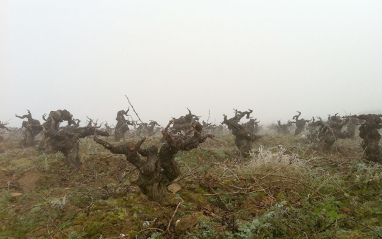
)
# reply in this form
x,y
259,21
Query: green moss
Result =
x,y
80,218
111,218
199,190
94,229
122,213
115,202
141,209
36,209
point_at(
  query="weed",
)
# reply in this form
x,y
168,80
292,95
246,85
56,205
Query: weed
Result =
x,y
156,235
206,229
266,162
75,235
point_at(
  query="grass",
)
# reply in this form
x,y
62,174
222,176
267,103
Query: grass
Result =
x,y
266,162
285,189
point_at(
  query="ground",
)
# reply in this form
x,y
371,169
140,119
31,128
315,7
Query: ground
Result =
x,y
285,189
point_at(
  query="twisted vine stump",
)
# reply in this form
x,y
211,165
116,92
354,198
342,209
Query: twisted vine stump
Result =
x,y
321,135
122,125
300,124
351,126
283,128
65,140
147,129
371,137
325,134
184,123
252,126
3,126
243,137
157,167
326,138
32,128
151,127
336,123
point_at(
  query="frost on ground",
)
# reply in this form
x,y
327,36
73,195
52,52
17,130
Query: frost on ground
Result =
x,y
266,162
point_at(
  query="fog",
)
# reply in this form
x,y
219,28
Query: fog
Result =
x,y
275,57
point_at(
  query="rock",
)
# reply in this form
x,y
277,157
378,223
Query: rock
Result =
x,y
174,188
16,194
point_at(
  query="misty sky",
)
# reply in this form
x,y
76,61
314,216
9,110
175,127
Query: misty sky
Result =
x,y
275,57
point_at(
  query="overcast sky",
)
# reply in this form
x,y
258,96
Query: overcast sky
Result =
x,y
275,57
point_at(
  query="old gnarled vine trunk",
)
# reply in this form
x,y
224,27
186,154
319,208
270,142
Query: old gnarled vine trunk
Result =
x,y
32,128
160,168
243,137
65,140
371,137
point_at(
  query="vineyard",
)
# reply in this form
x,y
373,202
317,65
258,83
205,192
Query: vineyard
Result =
x,y
271,184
